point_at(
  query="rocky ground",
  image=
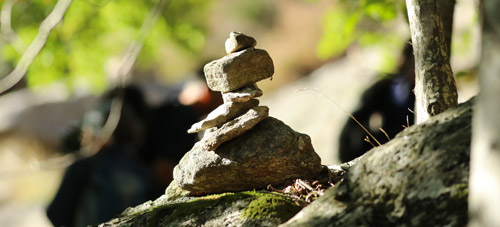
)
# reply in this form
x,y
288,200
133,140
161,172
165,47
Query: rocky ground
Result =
x,y
417,179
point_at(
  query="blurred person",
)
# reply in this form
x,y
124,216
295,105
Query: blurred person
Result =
x,y
167,139
197,95
387,105
97,188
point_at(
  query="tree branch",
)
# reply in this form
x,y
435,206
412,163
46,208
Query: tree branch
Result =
x,y
36,46
5,22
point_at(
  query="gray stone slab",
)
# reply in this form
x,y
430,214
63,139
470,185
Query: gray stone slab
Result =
x,y
239,69
235,128
223,114
242,94
238,41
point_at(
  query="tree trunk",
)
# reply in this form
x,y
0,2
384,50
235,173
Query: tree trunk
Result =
x,y
435,88
447,10
484,200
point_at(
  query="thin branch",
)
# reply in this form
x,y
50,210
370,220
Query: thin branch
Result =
x,y
122,76
36,46
5,23
111,123
385,133
134,49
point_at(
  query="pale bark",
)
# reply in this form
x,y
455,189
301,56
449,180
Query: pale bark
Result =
x,y
435,88
484,200
447,11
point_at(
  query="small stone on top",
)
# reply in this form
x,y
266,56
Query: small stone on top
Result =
x,y
238,41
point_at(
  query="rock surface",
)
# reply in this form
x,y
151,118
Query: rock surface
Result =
x,y
242,95
419,178
270,153
238,41
223,114
239,69
229,209
234,128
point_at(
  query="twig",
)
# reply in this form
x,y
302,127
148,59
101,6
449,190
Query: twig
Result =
x,y
122,73
36,46
122,76
367,139
385,133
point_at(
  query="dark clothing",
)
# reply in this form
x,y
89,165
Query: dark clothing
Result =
x,y
98,188
390,99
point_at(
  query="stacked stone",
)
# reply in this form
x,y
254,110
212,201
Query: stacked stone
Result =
x,y
242,148
235,75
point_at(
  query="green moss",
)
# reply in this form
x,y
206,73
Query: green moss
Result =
x,y
255,207
460,191
196,206
266,205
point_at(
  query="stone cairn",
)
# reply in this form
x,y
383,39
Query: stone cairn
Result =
x,y
235,75
243,148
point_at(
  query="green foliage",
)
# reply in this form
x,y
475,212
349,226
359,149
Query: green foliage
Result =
x,y
357,20
339,31
93,32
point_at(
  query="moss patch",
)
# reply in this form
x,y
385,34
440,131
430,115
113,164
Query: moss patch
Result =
x,y
267,205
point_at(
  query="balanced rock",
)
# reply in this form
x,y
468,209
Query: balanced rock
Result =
x,y
223,114
270,153
238,41
234,128
239,69
242,94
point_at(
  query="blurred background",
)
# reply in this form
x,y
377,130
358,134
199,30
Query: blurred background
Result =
x,y
325,52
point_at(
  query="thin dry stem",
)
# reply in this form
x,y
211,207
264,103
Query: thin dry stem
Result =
x,y
341,109
385,133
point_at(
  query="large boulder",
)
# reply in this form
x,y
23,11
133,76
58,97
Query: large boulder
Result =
x,y
419,178
270,153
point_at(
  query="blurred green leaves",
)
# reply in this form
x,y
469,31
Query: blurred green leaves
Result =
x,y
356,20
338,32
93,32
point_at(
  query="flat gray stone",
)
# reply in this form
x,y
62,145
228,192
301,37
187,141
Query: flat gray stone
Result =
x,y
270,153
242,94
239,69
238,41
234,128
223,114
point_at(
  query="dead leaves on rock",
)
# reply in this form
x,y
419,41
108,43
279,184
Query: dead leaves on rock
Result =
x,y
308,191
